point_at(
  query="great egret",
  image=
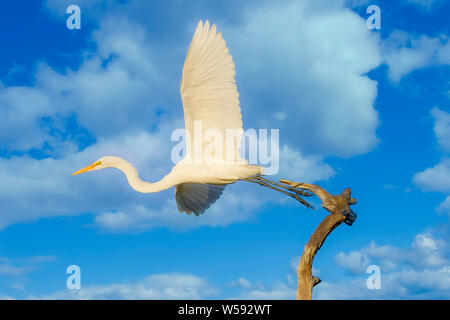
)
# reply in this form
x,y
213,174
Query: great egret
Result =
x,y
209,96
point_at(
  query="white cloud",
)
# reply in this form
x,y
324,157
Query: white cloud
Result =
x,y
156,286
20,267
6,268
404,53
444,206
437,178
442,127
303,168
354,261
425,251
286,54
21,108
244,283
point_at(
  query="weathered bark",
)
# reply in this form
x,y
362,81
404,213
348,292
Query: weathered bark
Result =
x,y
305,279
339,208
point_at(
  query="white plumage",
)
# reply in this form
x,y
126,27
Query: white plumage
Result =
x,y
210,98
208,88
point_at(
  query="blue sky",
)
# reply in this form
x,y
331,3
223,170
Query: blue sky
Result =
x,y
359,108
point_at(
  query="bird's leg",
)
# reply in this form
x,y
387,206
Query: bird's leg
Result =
x,y
297,190
294,193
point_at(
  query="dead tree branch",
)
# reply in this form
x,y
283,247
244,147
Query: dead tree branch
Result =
x,y
339,208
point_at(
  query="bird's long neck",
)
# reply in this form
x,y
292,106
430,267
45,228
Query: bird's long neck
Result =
x,y
142,186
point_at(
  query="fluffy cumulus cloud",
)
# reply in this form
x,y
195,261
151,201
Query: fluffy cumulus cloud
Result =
x,y
425,251
123,99
404,53
442,127
445,206
437,178
156,286
303,168
311,47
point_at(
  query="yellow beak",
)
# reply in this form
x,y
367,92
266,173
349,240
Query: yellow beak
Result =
x,y
88,168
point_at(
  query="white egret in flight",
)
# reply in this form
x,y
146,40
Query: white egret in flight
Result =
x,y
210,97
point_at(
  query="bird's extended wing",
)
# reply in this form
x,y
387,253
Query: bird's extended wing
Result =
x,y
197,197
209,92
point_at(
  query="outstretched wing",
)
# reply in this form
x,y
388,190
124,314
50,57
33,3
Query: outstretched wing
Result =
x,y
197,197
209,92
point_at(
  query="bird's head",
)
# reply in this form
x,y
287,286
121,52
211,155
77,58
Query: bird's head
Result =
x,y
102,163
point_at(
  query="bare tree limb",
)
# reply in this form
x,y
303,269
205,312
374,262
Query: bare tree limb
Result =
x,y
339,208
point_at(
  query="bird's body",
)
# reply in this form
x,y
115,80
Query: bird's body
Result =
x,y
210,98
216,174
